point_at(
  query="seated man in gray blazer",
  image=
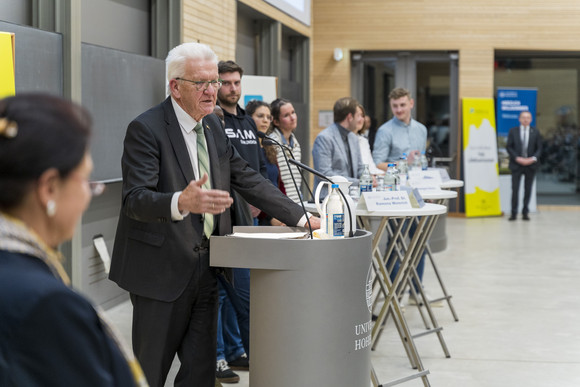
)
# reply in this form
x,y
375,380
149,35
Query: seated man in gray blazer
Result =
x,y
336,151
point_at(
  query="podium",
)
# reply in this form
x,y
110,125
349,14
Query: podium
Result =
x,y
310,306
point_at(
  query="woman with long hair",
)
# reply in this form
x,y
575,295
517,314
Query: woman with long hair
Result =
x,y
284,122
261,113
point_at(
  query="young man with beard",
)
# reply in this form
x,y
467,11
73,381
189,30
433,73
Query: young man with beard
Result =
x,y
241,130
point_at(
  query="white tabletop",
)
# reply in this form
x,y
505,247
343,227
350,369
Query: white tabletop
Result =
x,y
427,209
437,194
452,184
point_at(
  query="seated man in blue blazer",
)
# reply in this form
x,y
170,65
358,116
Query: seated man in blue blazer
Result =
x,y
336,151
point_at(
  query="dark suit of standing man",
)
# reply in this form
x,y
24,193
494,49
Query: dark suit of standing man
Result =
x,y
161,251
524,146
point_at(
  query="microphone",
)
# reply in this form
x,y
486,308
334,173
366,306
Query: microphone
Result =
x,y
270,141
267,141
314,171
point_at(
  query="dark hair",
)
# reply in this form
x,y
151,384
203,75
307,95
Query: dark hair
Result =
x,y
275,107
50,133
229,66
270,151
254,104
343,107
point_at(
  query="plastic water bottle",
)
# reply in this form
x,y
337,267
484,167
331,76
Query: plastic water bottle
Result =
x,y
397,186
416,165
403,169
390,181
366,181
380,183
335,214
424,162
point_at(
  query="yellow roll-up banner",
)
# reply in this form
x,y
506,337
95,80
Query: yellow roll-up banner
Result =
x,y
7,87
480,164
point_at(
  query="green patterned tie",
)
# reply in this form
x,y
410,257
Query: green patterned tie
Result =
x,y
203,163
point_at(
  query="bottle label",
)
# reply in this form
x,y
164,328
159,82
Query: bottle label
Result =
x,y
366,188
337,225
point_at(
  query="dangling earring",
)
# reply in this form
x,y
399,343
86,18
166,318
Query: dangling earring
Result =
x,y
50,208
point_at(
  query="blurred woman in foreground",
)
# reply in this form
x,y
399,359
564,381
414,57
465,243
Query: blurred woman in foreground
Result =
x,y
49,335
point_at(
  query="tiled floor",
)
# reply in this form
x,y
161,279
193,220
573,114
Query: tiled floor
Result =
x,y
516,289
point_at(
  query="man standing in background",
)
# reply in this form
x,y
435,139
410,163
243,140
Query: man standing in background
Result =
x,y
241,130
524,145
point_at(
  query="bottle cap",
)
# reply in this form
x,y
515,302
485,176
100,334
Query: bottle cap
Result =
x,y
335,186
391,165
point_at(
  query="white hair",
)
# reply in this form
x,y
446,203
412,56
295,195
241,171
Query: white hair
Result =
x,y
179,55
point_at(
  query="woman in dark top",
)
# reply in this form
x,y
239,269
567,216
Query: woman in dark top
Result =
x,y
49,334
261,113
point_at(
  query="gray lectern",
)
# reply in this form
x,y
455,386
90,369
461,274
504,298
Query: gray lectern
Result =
x,y
310,302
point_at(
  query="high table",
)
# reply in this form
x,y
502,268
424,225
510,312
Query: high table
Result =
x,y
453,183
439,197
409,254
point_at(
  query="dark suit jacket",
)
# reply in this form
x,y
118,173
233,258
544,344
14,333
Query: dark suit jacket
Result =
x,y
50,335
153,255
514,147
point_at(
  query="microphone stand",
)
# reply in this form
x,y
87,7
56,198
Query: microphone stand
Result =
x,y
314,171
270,141
264,137
300,171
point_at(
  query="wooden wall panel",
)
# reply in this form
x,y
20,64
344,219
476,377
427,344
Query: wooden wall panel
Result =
x,y
212,22
474,28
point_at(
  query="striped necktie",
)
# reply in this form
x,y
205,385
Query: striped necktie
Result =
x,y
203,164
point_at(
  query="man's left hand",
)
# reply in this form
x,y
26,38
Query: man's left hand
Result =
x,y
314,222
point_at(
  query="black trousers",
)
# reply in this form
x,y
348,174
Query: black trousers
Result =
x,y
186,327
528,173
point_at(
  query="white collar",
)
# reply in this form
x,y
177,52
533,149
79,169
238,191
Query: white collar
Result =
x,y
186,121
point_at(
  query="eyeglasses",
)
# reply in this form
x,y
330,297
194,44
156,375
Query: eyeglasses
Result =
x,y
203,85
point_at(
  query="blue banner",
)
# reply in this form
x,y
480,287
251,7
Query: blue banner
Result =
x,y
510,103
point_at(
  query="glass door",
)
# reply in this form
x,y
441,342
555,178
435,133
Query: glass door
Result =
x,y
431,77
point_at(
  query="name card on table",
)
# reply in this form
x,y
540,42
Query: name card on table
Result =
x,y
414,196
429,179
444,174
385,200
